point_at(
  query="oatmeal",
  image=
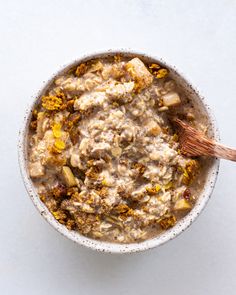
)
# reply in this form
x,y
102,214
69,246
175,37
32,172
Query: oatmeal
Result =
x,y
103,154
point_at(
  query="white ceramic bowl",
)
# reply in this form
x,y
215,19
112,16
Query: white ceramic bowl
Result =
x,y
134,247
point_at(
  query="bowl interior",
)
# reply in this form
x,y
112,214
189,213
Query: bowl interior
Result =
x,y
206,117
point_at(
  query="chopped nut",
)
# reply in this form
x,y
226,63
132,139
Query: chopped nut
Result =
x,y
153,129
139,167
121,208
36,169
96,66
116,151
68,176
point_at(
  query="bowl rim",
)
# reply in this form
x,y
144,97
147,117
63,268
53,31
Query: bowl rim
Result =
x,y
78,238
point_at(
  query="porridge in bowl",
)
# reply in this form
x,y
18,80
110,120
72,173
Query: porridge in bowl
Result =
x,y
103,154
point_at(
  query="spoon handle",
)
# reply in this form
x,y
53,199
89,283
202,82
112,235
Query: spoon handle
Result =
x,y
224,152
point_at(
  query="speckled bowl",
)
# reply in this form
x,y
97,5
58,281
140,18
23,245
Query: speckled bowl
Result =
x,y
167,235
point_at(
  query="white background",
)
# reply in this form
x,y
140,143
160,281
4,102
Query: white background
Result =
x,y
37,37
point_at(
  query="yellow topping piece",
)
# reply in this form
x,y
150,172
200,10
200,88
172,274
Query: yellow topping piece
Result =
x,y
117,58
56,129
81,69
157,187
190,171
175,137
168,185
51,102
151,190
59,145
162,73
158,71
104,182
154,67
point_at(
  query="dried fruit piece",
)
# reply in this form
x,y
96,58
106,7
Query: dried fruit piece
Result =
x,y
187,194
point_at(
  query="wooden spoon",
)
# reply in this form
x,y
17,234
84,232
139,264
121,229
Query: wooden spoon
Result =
x,y
194,143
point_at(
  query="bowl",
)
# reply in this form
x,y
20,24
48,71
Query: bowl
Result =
x,y
183,224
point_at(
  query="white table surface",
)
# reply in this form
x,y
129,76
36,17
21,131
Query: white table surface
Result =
x,y
199,37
